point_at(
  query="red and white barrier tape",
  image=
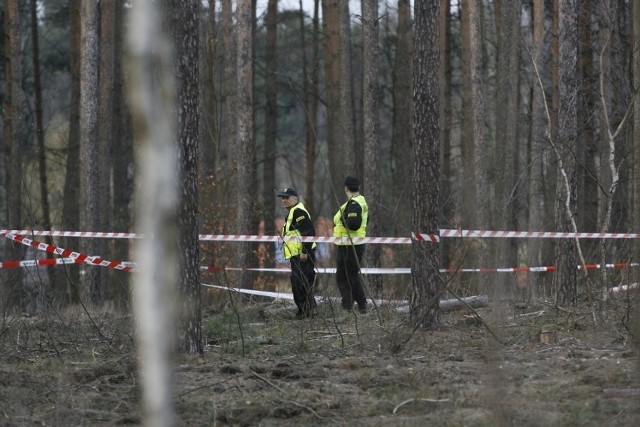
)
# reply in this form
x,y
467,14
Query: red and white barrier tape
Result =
x,y
37,262
78,257
446,233
622,288
536,234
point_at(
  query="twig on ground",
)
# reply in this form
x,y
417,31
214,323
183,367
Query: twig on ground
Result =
x,y
260,377
399,405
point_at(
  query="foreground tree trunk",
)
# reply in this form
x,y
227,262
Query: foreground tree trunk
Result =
x,y
425,260
636,143
151,94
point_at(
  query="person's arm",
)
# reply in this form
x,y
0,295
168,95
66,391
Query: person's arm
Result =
x,y
302,222
353,215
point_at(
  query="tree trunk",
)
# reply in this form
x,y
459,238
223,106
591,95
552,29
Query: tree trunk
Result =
x,y
566,255
71,193
402,135
425,260
42,162
209,137
310,101
16,292
227,137
246,150
479,218
447,191
152,95
122,155
588,153
538,157
507,148
635,7
271,113
107,120
331,20
184,24
90,164
371,123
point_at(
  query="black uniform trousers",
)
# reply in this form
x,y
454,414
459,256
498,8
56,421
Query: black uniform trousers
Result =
x,y
348,261
303,276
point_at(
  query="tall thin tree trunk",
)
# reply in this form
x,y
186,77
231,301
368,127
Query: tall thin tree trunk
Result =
x,y
537,151
122,154
183,16
90,166
209,117
152,95
425,260
13,146
566,192
66,292
507,149
107,120
345,83
635,8
271,114
244,121
446,182
478,162
42,162
331,15
226,157
371,124
310,92
402,132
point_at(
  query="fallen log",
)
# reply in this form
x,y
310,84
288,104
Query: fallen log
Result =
x,y
475,301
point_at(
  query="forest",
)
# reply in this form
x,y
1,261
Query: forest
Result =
x,y
144,143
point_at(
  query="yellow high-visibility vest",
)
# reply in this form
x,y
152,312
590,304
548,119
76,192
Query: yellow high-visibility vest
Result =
x,y
293,247
340,230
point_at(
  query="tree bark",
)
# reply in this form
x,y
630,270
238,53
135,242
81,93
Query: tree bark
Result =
x,y
425,260
152,96
90,165
183,16
402,133
246,144
371,123
13,146
566,191
271,112
71,193
39,125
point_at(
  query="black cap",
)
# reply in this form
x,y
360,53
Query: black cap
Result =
x,y
352,183
286,192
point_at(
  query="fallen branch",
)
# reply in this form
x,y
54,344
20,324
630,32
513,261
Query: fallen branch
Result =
x,y
456,304
399,405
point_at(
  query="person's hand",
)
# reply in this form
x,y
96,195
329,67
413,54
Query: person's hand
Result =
x,y
304,257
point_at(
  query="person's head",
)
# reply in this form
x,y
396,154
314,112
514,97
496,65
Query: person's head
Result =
x,y
351,184
288,197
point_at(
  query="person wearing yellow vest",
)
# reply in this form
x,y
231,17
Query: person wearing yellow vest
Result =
x,y
350,222
300,254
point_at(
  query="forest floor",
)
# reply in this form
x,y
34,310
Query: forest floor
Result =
x,y
261,367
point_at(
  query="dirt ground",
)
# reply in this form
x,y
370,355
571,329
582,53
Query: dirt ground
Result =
x,y
261,367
